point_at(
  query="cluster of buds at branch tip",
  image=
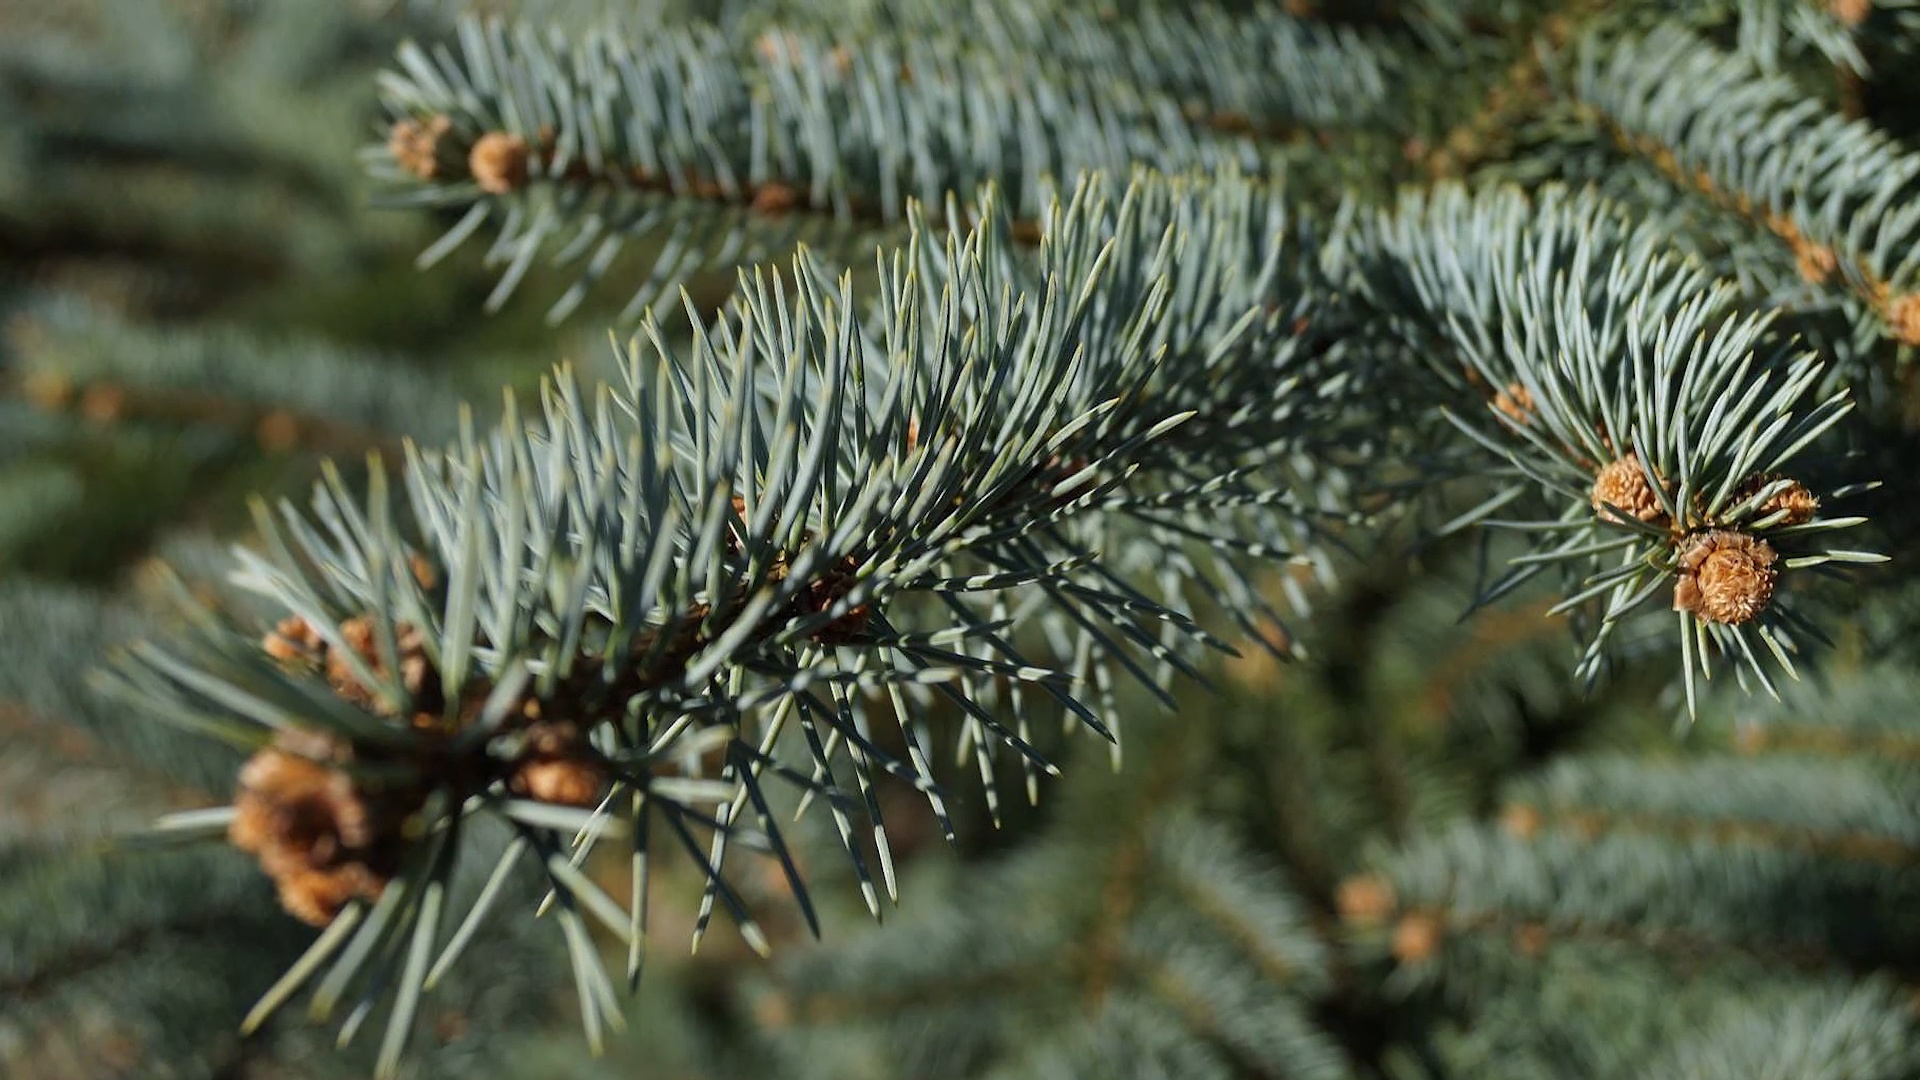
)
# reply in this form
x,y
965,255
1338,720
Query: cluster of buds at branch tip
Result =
x,y
430,149
1726,575
323,836
1367,901
502,162
323,831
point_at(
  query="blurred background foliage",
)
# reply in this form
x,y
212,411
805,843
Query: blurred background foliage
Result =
x,y
1420,852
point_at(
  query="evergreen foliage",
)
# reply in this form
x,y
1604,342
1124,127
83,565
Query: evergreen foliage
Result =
x,y
1236,519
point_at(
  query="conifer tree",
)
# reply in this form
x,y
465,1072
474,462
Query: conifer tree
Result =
x,y
1065,538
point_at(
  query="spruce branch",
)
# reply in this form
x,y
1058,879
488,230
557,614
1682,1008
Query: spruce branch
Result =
x,y
1789,870
1670,899
807,548
1786,737
1840,809
1833,188
1233,69
1533,998
1865,720
1085,984
573,149
1861,1031
568,618
1778,35
288,393
1522,92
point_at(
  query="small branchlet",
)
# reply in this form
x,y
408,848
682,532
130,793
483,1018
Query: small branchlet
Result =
x,y
1117,95
1661,448
1829,186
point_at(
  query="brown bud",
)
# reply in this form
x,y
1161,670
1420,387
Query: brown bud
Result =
x,y
498,162
103,403
449,1026
310,830
828,590
410,643
563,783
1259,668
417,145
1624,483
1815,263
1516,402
777,48
1725,577
358,633
1749,739
316,896
1231,123
774,199
277,431
773,1009
421,569
1530,939
1850,12
291,639
1520,821
558,766
1364,900
1902,313
1794,501
1416,937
